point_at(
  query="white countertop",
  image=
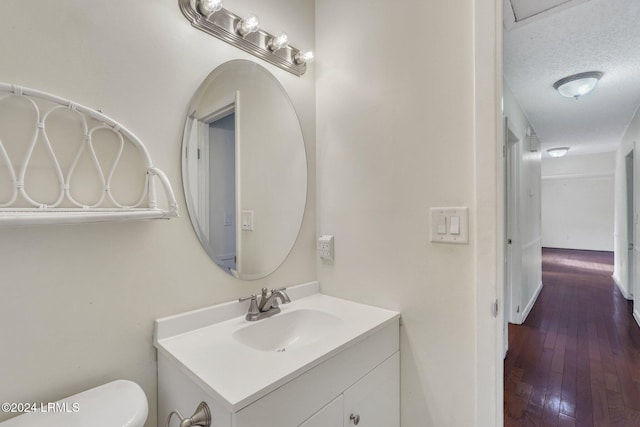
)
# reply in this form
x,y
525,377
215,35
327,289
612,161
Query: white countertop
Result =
x,y
239,375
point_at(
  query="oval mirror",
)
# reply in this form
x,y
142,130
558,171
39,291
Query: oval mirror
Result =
x,y
244,169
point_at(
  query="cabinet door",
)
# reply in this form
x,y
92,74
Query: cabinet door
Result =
x,y
329,416
374,401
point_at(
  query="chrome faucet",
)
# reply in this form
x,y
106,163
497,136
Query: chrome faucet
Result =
x,y
268,304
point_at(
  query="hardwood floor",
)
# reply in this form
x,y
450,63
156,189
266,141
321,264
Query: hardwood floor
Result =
x,y
576,359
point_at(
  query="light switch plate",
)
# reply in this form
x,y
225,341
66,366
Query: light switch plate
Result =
x,y
456,220
228,219
247,220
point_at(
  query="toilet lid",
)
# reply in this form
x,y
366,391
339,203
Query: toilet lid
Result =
x,y
119,403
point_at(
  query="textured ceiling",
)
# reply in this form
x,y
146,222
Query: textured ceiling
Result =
x,y
599,35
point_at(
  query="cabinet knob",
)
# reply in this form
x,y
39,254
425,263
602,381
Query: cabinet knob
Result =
x,y
355,419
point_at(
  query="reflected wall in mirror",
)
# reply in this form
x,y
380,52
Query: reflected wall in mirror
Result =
x,y
244,169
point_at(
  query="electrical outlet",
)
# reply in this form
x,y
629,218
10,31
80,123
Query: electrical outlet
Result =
x,y
325,247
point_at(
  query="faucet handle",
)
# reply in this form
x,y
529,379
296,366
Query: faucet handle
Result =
x,y
254,310
252,297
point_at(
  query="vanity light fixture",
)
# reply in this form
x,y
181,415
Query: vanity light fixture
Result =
x,y
558,151
578,85
246,34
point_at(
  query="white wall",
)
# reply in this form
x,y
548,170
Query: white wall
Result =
x,y
397,135
620,236
578,202
527,263
78,302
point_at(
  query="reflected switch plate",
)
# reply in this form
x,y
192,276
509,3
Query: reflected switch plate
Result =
x,y
228,219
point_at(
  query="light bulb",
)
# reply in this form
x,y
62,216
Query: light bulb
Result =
x,y
248,25
209,7
303,57
278,42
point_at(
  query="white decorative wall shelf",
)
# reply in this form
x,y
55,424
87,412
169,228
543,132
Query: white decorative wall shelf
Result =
x,y
79,167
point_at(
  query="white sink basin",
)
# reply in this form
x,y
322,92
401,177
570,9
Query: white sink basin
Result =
x,y
288,331
239,361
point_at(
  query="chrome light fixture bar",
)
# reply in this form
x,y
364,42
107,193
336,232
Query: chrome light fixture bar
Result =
x,y
209,16
578,85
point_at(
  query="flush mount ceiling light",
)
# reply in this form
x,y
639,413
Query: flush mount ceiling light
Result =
x,y
246,34
558,151
577,85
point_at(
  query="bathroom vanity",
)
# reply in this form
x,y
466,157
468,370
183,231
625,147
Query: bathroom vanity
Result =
x,y
320,362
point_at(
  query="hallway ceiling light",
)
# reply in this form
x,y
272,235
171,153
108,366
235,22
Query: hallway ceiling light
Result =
x,y
558,151
577,85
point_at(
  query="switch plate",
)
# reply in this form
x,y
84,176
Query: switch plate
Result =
x,y
228,219
247,220
456,225
326,247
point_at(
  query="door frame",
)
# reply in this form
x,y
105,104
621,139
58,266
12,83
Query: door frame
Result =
x,y
488,221
631,205
629,172
511,239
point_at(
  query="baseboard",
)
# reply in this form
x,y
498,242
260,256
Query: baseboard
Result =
x,y
532,301
627,295
636,316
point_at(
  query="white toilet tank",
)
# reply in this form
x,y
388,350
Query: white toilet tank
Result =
x,y
119,403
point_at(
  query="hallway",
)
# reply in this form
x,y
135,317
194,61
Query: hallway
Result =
x,y
576,359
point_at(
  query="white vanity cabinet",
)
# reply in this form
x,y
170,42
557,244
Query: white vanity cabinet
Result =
x,y
348,376
374,401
